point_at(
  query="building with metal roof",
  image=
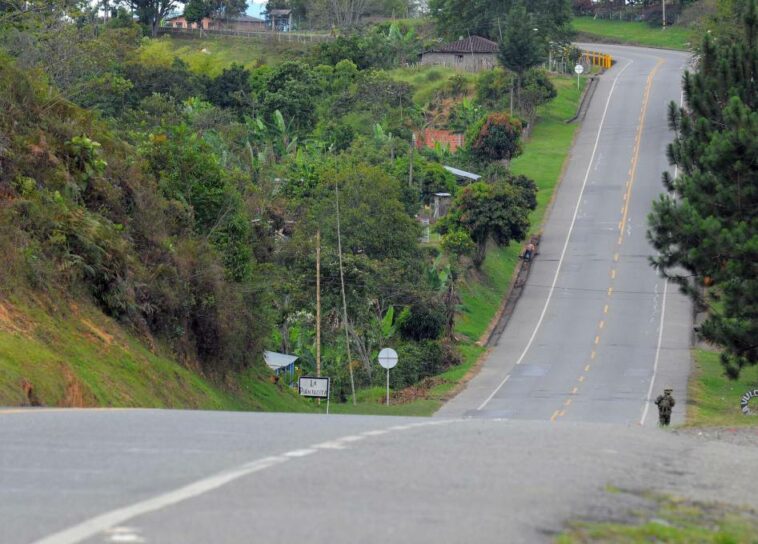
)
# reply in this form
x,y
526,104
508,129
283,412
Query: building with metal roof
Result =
x,y
472,54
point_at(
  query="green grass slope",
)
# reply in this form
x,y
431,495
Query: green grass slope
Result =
x,y
57,354
714,399
631,33
211,55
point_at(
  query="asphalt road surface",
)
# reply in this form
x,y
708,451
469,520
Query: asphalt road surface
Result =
x,y
509,460
597,332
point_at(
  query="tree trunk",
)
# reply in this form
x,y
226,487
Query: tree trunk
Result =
x,y
480,253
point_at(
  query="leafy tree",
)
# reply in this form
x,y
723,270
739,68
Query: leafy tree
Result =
x,y
496,138
232,89
196,10
152,12
706,228
291,89
456,18
522,46
488,211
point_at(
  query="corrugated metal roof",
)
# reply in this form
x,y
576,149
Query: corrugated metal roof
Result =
x,y
472,44
275,360
462,173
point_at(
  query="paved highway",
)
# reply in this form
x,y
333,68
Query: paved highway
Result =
x,y
550,422
69,476
596,326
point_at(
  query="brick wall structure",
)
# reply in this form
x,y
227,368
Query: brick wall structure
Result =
x,y
431,136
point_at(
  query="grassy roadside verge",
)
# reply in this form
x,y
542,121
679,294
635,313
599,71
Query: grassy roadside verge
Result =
x,y
668,519
76,357
631,33
544,156
714,399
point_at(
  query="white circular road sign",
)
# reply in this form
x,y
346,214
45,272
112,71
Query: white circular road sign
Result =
x,y
388,358
579,69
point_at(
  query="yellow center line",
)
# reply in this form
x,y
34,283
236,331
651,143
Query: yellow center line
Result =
x,y
562,413
581,379
638,139
601,324
555,415
574,390
567,402
616,257
610,291
597,340
587,368
593,354
605,309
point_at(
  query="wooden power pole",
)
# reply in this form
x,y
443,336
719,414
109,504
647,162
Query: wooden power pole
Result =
x,y
318,303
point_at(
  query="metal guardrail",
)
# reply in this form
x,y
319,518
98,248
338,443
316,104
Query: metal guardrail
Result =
x,y
595,58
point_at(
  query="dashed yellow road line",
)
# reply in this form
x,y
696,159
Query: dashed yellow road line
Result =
x,y
593,354
610,291
580,379
567,402
616,257
574,390
587,368
555,415
597,340
638,139
605,309
613,274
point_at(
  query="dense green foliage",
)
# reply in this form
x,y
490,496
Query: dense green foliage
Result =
x,y
706,229
488,17
184,200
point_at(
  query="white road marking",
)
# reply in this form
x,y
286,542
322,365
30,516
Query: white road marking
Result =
x,y
568,235
482,405
353,438
375,433
109,522
331,445
98,524
657,354
300,453
663,315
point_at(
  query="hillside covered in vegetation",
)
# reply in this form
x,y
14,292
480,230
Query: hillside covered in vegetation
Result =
x,y
161,210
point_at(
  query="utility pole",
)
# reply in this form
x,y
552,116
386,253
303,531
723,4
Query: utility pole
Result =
x,y
410,162
344,300
318,303
663,2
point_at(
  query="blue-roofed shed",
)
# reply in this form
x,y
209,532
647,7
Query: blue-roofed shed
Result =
x,y
280,363
462,175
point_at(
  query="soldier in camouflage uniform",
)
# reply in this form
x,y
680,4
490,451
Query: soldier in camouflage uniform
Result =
x,y
665,404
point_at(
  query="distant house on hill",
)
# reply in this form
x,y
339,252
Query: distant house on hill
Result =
x,y
239,23
472,54
279,20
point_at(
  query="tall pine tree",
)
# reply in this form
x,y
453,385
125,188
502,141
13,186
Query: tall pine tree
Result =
x,y
706,228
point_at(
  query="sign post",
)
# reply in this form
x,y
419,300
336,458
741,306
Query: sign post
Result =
x,y
388,359
579,69
315,387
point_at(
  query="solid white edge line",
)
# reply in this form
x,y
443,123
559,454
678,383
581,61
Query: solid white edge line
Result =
x,y
103,522
568,235
482,405
93,526
663,312
657,354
